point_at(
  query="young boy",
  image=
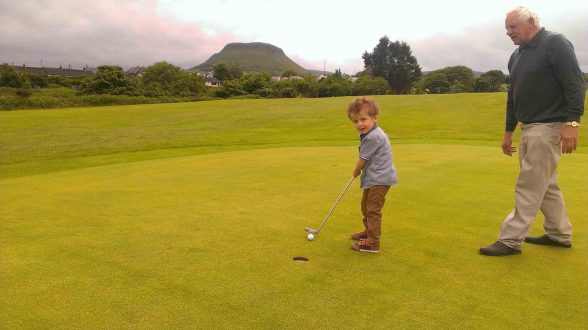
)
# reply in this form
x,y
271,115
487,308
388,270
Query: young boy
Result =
x,y
378,173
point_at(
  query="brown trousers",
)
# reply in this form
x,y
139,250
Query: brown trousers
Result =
x,y
372,203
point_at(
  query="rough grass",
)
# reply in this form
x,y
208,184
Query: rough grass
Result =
x,y
169,229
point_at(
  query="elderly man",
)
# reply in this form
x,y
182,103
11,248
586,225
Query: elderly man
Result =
x,y
546,95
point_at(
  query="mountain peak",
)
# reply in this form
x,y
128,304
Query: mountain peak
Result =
x,y
253,46
253,57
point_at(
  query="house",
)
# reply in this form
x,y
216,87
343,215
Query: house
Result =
x,y
136,71
54,71
209,79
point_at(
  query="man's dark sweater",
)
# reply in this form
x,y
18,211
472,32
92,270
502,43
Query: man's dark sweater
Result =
x,y
546,83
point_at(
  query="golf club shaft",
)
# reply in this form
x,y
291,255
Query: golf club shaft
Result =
x,y
335,205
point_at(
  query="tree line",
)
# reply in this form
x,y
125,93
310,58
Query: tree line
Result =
x,y
390,68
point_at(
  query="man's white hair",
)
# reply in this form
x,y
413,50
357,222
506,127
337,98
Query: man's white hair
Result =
x,y
525,14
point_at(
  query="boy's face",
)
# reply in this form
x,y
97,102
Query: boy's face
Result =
x,y
363,122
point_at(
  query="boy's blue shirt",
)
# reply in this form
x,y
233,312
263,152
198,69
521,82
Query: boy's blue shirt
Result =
x,y
376,150
362,136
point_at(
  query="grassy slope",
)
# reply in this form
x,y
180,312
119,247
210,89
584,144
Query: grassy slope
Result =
x,y
206,240
44,141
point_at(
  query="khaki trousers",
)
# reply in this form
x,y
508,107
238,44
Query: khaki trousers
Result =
x,y
372,203
536,188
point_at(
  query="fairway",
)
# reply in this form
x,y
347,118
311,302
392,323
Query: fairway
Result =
x,y
189,215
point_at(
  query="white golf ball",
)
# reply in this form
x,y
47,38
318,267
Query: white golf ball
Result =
x,y
310,237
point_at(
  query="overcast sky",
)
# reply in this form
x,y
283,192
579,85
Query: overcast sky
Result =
x,y
311,32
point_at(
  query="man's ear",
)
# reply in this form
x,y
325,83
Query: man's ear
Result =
x,y
531,21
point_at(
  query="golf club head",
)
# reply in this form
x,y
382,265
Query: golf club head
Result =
x,y
310,230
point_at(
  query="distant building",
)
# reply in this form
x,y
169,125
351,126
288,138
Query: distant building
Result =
x,y
54,71
136,71
209,79
280,78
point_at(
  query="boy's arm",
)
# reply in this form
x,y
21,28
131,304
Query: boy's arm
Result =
x,y
358,167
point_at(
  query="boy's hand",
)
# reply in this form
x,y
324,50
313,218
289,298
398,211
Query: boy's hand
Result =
x,y
359,167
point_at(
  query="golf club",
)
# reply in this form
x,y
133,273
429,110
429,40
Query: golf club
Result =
x,y
316,231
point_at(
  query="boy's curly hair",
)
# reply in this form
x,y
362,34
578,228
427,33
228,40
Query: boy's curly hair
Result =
x,y
361,103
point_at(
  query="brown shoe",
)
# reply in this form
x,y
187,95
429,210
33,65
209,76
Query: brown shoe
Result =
x,y
360,235
365,246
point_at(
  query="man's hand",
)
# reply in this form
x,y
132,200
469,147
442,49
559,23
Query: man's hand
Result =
x,y
568,139
507,147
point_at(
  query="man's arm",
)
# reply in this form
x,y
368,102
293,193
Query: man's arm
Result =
x,y
507,147
568,73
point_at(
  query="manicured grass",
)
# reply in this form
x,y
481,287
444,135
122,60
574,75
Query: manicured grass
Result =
x,y
50,140
171,229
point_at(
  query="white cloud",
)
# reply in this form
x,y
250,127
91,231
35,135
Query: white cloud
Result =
x,y
122,32
186,33
487,47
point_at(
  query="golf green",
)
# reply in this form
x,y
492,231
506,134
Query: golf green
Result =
x,y
208,241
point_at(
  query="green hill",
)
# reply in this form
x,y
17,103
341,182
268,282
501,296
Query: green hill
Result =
x,y
254,56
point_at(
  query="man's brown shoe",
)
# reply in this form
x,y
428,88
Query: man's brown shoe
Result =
x,y
545,240
498,249
360,236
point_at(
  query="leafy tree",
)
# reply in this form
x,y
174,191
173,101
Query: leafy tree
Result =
x,y
153,89
367,85
289,73
394,62
461,78
223,71
235,70
256,83
308,86
453,79
38,80
70,82
189,84
26,90
110,79
286,88
334,86
435,82
229,88
491,81
197,85
163,73
9,77
286,92
165,79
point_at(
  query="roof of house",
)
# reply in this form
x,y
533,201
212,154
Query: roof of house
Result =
x,y
54,71
136,70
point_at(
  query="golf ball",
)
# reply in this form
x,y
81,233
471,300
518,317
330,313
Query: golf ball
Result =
x,y
310,237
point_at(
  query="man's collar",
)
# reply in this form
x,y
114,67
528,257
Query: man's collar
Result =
x,y
535,40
